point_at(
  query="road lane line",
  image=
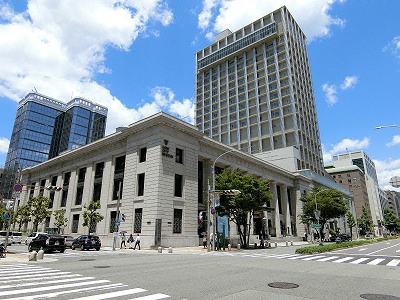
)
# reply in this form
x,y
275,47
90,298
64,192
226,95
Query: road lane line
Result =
x,y
393,263
152,297
376,261
360,260
44,282
66,275
343,259
384,249
314,257
299,257
328,258
47,272
32,270
112,295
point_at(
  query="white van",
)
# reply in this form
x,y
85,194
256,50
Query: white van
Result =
x,y
3,235
30,237
16,237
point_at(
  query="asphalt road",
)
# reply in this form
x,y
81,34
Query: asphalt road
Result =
x,y
200,275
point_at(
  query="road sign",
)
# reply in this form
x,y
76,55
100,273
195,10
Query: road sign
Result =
x,y
6,216
213,211
18,188
117,223
316,226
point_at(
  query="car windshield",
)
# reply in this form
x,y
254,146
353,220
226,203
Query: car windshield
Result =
x,y
17,233
3,233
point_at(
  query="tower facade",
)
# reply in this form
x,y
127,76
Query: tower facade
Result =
x,y
44,127
254,92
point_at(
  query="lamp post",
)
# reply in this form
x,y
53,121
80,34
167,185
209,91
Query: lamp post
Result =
x,y
318,214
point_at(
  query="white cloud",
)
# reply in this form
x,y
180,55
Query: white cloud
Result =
x,y
394,46
343,146
59,46
312,16
349,82
4,143
386,170
395,141
330,93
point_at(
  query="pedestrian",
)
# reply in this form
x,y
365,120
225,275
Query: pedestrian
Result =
x,y
123,240
305,238
137,242
205,241
130,240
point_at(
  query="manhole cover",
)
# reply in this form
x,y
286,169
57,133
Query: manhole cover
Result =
x,y
378,297
87,259
101,267
283,285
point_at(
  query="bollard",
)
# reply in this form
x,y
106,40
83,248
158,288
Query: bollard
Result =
x,y
229,247
159,249
33,256
287,243
170,250
40,254
276,244
238,246
291,243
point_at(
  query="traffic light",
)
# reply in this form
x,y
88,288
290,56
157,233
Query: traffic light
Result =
x,y
53,188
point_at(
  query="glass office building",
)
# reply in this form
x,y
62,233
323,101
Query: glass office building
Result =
x,y
254,92
45,127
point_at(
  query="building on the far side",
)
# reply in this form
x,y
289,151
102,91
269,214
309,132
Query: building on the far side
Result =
x,y
254,92
45,127
392,202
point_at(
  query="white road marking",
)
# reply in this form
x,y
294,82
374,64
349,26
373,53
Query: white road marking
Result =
x,y
343,259
363,249
152,297
314,257
328,258
393,263
112,295
300,256
35,275
44,282
376,261
39,277
360,260
384,249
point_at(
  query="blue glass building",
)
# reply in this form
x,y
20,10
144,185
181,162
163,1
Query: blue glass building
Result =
x,y
45,127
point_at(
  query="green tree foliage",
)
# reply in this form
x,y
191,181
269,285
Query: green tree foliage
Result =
x,y
39,210
3,210
390,220
330,203
365,222
22,215
90,215
253,197
351,222
60,220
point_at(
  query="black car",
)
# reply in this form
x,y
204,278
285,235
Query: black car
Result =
x,y
86,242
47,242
343,237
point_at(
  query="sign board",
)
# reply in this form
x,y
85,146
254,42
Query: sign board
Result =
x,y
6,216
117,224
316,226
213,211
18,188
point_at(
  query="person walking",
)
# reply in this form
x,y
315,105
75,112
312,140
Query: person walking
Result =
x,y
205,241
123,240
130,240
137,242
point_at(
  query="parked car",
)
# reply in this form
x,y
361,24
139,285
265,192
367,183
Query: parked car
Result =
x,y
31,236
16,237
68,240
47,242
342,237
86,242
3,235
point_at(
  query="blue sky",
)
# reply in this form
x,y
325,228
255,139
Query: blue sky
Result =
x,y
137,58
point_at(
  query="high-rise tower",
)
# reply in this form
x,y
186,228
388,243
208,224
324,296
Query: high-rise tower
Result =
x,y
254,92
45,127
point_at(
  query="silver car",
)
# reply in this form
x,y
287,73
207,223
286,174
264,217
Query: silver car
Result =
x,y
68,240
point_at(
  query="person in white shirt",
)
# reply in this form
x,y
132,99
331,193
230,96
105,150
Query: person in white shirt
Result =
x,y
137,242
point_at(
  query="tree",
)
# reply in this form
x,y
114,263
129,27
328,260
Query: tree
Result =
x,y
253,197
39,210
60,220
351,222
365,222
390,220
90,216
22,215
330,203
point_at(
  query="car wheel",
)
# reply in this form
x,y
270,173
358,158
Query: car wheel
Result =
x,y
73,247
97,249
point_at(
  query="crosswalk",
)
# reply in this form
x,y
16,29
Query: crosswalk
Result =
x,y
356,260
30,282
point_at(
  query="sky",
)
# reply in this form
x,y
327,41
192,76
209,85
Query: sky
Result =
x,y
137,57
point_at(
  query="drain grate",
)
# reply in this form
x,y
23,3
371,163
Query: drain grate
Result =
x,y
378,297
87,259
283,285
101,267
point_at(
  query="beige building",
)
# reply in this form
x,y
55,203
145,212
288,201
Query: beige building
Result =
x,y
254,92
163,166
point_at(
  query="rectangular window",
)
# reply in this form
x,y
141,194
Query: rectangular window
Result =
x,y
64,198
81,175
99,170
79,195
178,185
113,218
67,177
142,154
137,228
179,155
75,223
96,191
177,228
42,185
140,183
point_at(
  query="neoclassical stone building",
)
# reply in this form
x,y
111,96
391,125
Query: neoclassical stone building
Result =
x,y
163,166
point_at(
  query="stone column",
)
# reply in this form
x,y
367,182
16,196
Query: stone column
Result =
x,y
285,208
275,205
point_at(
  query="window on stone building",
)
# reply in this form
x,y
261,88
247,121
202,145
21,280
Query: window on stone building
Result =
x,y
179,155
142,154
137,227
178,185
75,223
177,227
140,183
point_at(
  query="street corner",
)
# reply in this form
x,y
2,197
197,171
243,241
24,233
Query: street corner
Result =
x,y
12,258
